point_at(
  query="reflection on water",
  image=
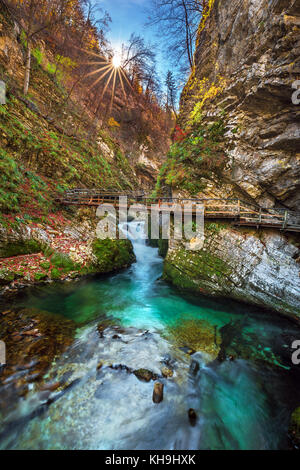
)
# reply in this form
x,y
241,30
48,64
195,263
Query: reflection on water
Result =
x,y
240,404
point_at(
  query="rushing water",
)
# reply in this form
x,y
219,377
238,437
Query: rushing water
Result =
x,y
243,403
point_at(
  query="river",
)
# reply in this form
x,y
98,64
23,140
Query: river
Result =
x,y
243,402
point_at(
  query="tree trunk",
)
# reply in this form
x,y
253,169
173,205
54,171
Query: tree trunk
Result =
x,y
27,69
188,44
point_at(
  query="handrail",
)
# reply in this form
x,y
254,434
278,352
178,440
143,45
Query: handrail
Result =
x,y
243,213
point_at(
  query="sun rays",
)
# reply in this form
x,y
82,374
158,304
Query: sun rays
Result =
x,y
111,72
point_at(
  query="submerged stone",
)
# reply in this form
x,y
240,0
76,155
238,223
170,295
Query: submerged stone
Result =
x,y
193,335
33,339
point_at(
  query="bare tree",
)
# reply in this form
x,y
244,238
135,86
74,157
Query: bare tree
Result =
x,y
177,22
138,58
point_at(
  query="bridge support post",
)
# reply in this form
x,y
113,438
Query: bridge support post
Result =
x,y
285,219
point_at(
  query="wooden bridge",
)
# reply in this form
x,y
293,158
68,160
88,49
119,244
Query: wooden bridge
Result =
x,y
241,213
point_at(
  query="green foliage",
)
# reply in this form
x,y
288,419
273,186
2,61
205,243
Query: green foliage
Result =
x,y
196,114
48,251
195,157
66,62
30,149
214,228
10,178
37,54
51,68
23,39
159,181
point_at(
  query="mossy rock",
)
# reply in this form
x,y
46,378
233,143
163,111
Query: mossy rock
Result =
x,y
163,246
113,255
294,428
63,261
194,270
40,276
25,247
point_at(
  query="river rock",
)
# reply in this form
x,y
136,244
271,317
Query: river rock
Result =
x,y
145,375
166,372
192,417
158,392
26,344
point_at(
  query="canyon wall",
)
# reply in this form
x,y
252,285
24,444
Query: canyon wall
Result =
x,y
246,62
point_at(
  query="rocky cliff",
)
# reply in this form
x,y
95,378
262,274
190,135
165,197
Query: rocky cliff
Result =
x,y
247,59
241,139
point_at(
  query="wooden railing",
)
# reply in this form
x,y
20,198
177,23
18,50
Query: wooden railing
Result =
x,y
240,212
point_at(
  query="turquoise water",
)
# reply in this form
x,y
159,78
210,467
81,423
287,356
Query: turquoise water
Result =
x,y
243,403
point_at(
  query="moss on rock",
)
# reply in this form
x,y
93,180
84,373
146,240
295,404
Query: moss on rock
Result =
x,y
294,428
188,269
113,254
25,247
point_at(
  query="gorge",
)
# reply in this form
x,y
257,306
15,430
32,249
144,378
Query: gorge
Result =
x,y
93,329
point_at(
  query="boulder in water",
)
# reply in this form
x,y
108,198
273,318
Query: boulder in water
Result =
x,y
158,392
192,416
145,375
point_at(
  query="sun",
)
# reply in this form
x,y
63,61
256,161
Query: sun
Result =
x,y
116,61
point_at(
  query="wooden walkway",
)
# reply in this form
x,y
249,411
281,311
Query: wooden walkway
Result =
x,y
241,213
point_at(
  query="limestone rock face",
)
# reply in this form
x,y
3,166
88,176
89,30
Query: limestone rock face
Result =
x,y
247,59
246,63
241,265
